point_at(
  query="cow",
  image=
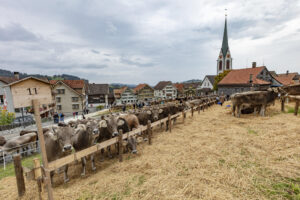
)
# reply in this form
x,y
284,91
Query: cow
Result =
x,y
253,98
58,142
2,140
83,138
21,142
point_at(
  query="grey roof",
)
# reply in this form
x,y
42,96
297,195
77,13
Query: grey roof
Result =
x,y
225,45
211,78
162,84
98,89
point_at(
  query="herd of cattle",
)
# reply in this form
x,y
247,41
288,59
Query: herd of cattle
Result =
x,y
78,135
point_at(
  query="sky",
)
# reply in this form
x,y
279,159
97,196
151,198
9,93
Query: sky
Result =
x,y
134,41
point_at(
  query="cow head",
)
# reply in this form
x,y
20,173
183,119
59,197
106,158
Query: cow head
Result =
x,y
155,113
132,144
63,136
112,124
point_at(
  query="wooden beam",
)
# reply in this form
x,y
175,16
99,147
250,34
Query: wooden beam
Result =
x,y
120,145
19,175
296,108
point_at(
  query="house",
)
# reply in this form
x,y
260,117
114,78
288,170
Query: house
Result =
x,y
117,95
241,80
97,96
190,89
24,90
70,96
180,92
6,99
165,90
144,92
207,85
287,78
128,96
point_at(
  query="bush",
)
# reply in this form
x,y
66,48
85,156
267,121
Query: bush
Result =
x,y
6,117
100,107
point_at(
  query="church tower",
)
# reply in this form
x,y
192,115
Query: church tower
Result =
x,y
224,61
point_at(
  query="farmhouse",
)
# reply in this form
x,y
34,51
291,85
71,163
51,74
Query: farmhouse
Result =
x,y
144,92
179,87
26,89
241,80
165,90
97,96
70,96
207,85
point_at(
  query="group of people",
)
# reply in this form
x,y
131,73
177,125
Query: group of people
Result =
x,y
58,117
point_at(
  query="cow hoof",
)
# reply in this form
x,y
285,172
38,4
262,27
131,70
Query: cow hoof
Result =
x,y
67,180
93,168
145,139
82,174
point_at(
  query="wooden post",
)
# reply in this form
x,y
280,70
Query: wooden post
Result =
x,y
282,104
183,116
192,111
36,108
296,107
149,132
19,175
170,123
39,184
120,139
198,108
37,168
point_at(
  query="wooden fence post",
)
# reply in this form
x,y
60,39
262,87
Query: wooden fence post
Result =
x,y
149,132
192,111
296,107
37,168
19,175
198,108
170,123
37,116
120,140
282,104
183,116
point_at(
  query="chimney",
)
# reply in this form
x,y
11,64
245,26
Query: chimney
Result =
x,y
253,64
250,79
287,72
17,75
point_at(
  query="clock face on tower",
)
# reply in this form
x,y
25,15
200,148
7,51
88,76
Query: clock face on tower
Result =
x,y
228,56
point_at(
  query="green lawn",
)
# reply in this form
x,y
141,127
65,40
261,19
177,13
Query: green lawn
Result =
x,y
26,162
292,110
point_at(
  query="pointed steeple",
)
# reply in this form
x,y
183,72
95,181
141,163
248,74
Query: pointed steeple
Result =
x,y
225,45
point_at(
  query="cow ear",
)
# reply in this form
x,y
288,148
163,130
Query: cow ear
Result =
x,y
149,112
160,111
121,122
103,124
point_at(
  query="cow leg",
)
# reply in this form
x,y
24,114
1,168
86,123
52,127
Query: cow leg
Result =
x,y
233,110
102,155
83,163
66,178
93,162
109,152
263,110
238,111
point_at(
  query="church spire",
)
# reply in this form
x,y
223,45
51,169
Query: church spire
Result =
x,y
225,45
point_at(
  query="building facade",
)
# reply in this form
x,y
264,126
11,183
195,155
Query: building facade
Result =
x,y
207,85
97,96
6,99
144,92
165,90
128,96
70,96
224,61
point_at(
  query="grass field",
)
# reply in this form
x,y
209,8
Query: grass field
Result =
x,y
212,156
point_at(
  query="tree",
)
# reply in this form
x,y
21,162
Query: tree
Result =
x,y
219,77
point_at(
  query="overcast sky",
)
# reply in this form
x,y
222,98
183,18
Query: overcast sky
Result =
x,y
138,41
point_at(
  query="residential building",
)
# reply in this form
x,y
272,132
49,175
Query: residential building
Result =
x,y
241,80
128,96
144,92
207,85
287,78
24,90
224,61
190,89
117,95
180,92
165,90
97,96
70,96
6,99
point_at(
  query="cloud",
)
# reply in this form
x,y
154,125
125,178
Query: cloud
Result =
x,y
146,41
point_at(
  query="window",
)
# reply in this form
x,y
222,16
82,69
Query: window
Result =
x,y
29,91
58,107
227,64
75,106
220,65
1,99
58,99
60,91
75,99
35,91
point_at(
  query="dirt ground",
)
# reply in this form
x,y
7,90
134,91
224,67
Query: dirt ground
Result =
x,y
212,156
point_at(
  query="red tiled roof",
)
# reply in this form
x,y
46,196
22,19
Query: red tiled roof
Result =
x,y
286,79
74,84
139,87
242,76
162,84
8,79
179,86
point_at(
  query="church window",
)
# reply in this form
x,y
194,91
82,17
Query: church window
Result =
x,y
220,65
227,64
